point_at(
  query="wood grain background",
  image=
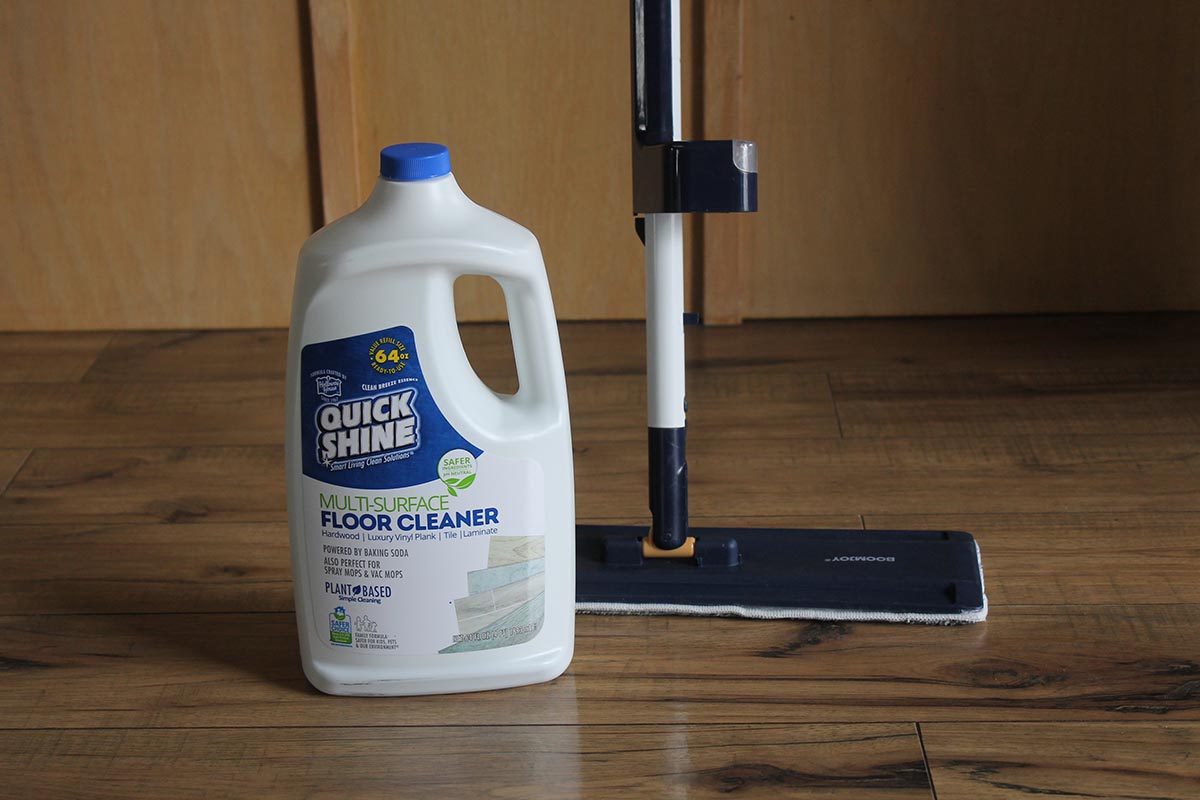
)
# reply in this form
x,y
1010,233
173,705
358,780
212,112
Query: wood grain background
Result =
x,y
940,157
532,98
156,169
163,161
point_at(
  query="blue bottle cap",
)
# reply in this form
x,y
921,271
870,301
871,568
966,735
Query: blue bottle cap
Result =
x,y
415,161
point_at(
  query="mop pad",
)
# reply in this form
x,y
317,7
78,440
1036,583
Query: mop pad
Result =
x,y
767,612
915,577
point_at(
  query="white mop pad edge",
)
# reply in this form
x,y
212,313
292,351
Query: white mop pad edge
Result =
x,y
769,612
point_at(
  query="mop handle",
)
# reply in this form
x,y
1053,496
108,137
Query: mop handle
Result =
x,y
665,382
672,177
664,274
657,115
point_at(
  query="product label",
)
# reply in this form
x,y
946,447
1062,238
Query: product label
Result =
x,y
417,541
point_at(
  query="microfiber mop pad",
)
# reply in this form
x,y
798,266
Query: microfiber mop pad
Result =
x,y
919,577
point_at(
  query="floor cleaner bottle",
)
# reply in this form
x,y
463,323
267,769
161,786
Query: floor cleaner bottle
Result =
x,y
432,519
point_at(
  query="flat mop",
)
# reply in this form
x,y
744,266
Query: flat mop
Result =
x,y
930,577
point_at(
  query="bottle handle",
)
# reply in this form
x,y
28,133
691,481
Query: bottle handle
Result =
x,y
540,401
535,339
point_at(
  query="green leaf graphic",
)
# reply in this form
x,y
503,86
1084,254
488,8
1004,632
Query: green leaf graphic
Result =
x,y
450,489
450,481
465,482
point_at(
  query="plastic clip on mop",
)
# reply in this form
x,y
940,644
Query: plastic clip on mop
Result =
x,y
891,576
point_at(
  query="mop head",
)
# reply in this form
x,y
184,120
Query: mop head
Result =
x,y
914,577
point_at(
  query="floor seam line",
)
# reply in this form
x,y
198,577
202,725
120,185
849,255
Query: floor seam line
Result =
x,y
925,758
8,484
112,335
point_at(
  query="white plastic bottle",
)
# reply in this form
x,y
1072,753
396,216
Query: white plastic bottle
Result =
x,y
432,519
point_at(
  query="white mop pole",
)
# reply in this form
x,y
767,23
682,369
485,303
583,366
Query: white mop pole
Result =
x,y
664,285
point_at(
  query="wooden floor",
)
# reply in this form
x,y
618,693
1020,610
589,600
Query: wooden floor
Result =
x,y
147,644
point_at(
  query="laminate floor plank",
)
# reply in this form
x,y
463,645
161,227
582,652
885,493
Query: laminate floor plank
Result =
x,y
1106,400
145,384
204,567
757,477
190,356
48,357
723,406
902,345
1048,342
153,484
1115,663
250,412
871,762
739,479
814,346
1133,761
949,343
151,414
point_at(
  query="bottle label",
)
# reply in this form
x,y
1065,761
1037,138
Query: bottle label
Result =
x,y
418,542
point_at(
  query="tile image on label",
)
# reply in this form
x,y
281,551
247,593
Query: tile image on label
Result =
x,y
505,603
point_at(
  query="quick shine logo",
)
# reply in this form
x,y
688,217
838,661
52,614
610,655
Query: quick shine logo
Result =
x,y
366,427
